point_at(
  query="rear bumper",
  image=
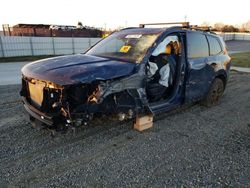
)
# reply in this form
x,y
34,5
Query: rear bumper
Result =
x,y
42,117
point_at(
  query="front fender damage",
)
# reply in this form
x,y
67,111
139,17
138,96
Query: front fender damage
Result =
x,y
116,91
75,105
123,98
134,82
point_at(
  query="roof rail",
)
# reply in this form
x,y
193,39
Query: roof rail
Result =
x,y
201,28
128,28
184,24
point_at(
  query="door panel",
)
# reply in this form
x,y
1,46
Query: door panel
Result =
x,y
199,80
200,67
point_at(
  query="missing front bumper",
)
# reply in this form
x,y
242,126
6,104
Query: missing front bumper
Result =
x,y
40,116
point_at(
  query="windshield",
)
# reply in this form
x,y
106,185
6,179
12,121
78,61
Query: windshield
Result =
x,y
125,46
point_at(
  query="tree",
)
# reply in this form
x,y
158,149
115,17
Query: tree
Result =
x,y
218,26
247,25
229,28
79,25
205,24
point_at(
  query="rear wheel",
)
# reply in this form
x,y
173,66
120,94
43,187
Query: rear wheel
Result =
x,y
214,94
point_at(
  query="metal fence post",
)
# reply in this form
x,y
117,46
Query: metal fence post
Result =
x,y
73,45
1,46
89,42
31,47
53,45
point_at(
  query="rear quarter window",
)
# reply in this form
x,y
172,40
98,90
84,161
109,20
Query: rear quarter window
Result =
x,y
215,47
197,45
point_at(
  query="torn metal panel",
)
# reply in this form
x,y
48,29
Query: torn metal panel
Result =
x,y
134,81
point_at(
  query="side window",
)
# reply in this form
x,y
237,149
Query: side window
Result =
x,y
197,45
173,40
215,46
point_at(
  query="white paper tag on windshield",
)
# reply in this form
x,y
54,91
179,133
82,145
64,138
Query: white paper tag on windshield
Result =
x,y
135,36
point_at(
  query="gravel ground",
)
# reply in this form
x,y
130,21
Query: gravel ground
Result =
x,y
192,147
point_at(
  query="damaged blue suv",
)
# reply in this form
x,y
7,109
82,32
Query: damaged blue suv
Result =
x,y
133,71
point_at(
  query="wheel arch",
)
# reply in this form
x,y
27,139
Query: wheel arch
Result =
x,y
221,74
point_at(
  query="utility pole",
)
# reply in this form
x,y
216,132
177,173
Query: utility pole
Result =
x,y
185,18
105,25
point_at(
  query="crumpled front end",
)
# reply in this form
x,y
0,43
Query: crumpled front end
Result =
x,y
44,101
60,107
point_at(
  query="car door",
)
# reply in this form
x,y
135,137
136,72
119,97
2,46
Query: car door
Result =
x,y
200,71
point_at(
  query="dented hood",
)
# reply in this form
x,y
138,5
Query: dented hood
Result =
x,y
73,69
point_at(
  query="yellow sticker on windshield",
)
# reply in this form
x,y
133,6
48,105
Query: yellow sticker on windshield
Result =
x,y
125,49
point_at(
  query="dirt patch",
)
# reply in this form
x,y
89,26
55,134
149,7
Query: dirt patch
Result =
x,y
196,146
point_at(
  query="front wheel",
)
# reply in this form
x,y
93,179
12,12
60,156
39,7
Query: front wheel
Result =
x,y
214,94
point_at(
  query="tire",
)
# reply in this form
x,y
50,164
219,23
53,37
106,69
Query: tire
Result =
x,y
215,93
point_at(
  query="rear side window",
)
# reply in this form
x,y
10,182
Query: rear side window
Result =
x,y
215,47
197,45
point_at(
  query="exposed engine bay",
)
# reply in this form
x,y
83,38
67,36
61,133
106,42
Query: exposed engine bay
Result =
x,y
60,107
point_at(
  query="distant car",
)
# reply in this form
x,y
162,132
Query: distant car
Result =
x,y
133,71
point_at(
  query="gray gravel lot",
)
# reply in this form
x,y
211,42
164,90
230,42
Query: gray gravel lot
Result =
x,y
195,146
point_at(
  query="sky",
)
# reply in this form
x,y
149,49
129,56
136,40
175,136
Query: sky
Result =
x,y
115,13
